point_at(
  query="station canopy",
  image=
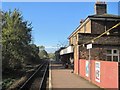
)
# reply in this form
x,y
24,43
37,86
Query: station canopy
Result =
x,y
67,50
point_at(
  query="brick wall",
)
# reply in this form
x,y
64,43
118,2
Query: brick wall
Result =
x,y
97,52
105,40
98,26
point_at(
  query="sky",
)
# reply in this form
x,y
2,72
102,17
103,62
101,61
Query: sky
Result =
x,y
53,22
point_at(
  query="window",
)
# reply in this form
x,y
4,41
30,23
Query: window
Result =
x,y
109,52
112,55
109,58
115,52
115,58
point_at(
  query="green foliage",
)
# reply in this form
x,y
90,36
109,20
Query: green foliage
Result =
x,y
42,52
41,48
16,38
51,55
34,53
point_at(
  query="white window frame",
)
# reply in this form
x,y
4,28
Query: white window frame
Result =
x,y
112,54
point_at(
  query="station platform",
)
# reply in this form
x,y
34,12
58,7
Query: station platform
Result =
x,y
62,78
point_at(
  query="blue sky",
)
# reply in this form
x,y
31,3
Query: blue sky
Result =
x,y
53,22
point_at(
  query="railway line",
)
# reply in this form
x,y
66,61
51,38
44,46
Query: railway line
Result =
x,y
37,81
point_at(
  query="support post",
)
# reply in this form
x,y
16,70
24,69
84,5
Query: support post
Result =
x,y
89,65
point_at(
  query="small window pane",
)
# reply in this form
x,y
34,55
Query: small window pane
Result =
x,y
115,58
114,51
109,58
109,52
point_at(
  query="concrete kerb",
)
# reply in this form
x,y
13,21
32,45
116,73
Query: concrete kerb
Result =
x,y
50,76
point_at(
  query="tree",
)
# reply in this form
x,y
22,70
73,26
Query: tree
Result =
x,y
51,55
41,48
34,53
42,52
16,37
17,50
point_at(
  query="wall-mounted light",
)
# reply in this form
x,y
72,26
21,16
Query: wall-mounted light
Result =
x,y
108,33
92,41
83,45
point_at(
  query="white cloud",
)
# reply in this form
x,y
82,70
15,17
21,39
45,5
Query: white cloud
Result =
x,y
50,47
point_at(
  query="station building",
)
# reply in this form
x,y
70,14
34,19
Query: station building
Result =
x,y
99,64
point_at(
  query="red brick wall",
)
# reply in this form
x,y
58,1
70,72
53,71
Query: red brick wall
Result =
x,y
108,73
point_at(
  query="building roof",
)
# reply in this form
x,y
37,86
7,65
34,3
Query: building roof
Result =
x,y
105,16
95,16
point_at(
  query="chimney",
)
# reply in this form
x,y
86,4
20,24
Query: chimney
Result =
x,y
100,8
81,21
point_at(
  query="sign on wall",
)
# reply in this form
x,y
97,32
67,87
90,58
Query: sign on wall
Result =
x,y
87,68
97,71
89,46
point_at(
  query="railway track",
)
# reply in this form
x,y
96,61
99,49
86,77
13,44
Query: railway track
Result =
x,y
37,81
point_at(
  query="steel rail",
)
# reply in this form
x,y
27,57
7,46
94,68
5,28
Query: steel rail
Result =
x,y
44,77
26,82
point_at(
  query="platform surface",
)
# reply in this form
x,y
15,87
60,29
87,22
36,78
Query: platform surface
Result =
x,y
64,78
